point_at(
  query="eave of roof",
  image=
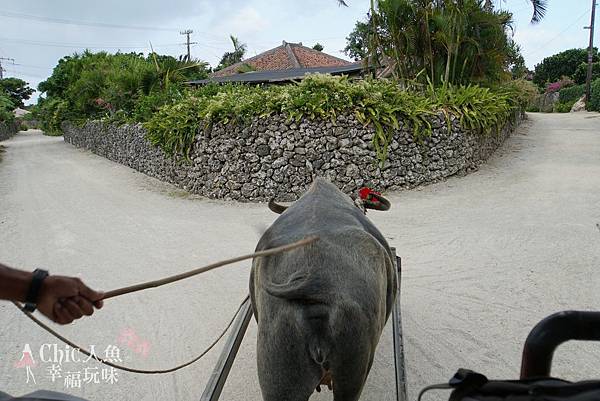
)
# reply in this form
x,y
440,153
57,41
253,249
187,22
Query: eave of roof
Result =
x,y
280,75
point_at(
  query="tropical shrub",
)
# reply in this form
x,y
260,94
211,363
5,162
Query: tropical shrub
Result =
x,y
146,105
51,113
526,93
379,103
125,87
478,108
564,82
563,107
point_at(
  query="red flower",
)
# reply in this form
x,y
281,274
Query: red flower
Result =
x,y
365,194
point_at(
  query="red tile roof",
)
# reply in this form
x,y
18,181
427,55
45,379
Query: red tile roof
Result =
x,y
286,56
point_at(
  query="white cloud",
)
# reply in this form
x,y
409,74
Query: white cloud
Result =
x,y
245,22
538,43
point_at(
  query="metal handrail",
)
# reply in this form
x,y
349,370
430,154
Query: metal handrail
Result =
x,y
552,331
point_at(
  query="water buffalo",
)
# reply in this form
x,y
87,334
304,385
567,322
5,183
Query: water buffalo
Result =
x,y
321,308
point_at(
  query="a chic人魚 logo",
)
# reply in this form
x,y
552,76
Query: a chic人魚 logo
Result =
x,y
63,363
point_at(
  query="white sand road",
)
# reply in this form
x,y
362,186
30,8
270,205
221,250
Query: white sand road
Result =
x,y
485,257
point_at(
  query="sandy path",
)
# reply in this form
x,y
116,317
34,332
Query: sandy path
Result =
x,y
485,257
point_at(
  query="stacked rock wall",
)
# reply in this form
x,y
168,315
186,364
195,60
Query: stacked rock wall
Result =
x,y
274,157
7,130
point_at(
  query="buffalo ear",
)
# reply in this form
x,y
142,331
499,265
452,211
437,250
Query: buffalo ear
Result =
x,y
382,204
275,207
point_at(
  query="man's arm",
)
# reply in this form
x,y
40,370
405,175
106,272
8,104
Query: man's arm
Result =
x,y
14,283
61,299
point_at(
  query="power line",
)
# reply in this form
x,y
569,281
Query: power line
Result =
x,y
63,21
543,47
32,66
11,14
15,72
81,45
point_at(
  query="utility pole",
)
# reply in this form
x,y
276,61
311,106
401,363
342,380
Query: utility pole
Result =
x,y
187,33
588,81
2,69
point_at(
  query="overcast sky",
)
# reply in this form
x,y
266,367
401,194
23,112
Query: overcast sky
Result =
x,y
37,33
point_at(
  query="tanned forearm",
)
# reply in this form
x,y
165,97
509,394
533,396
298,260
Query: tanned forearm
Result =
x,y
14,283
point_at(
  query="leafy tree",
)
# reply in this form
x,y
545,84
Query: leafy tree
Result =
x,y
6,107
565,63
17,89
580,74
237,55
357,42
318,47
515,63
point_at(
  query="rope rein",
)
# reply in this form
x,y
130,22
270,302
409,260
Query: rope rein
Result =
x,y
121,367
161,282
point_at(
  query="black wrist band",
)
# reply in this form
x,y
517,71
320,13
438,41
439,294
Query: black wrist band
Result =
x,y
34,289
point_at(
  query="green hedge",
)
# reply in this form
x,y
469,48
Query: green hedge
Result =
x,y
571,94
594,103
379,103
580,74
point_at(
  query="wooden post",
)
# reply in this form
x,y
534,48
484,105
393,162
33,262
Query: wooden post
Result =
x,y
588,81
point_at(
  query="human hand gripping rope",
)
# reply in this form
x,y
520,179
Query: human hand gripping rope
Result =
x,y
164,281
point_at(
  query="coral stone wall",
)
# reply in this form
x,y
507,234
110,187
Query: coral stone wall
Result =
x,y
273,157
7,130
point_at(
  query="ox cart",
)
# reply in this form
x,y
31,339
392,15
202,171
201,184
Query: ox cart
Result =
x,y
215,385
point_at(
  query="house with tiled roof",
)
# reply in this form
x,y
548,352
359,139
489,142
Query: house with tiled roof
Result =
x,y
283,63
286,56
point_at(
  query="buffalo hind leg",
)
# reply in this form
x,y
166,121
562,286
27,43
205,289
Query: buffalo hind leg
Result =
x,y
285,370
350,375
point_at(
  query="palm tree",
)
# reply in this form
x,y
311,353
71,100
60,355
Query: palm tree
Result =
x,y
238,46
438,42
539,8
230,58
